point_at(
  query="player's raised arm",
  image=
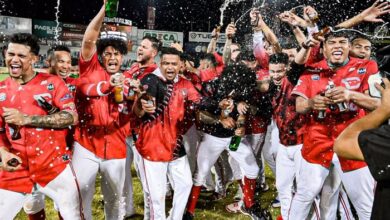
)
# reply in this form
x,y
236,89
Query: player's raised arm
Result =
x,y
91,35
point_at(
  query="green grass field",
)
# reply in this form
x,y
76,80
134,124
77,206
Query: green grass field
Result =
x,y
205,208
3,76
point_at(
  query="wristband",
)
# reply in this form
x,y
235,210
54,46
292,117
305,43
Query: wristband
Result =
x,y
304,45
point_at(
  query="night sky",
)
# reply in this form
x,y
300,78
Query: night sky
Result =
x,y
176,15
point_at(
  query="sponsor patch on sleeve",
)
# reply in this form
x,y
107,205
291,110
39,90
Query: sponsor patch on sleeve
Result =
x,y
315,77
66,97
362,71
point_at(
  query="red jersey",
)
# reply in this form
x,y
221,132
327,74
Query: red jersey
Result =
x,y
258,123
137,72
104,124
194,79
160,135
71,84
320,134
289,122
211,74
259,50
42,150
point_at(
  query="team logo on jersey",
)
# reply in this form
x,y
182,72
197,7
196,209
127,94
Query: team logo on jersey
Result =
x,y
351,83
50,87
69,106
72,88
66,97
362,71
315,77
3,96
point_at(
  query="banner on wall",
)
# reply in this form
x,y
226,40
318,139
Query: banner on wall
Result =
x,y
166,37
205,37
11,25
68,34
119,27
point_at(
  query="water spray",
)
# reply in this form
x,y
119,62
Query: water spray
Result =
x,y
375,36
223,8
56,32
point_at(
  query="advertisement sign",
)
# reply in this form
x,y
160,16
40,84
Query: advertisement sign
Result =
x,y
196,47
69,34
166,37
11,25
72,32
205,37
118,27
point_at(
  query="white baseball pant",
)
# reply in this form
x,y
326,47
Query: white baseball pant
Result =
x,y
113,172
210,149
191,140
62,189
359,185
223,173
34,203
271,146
256,142
310,182
128,186
154,179
287,168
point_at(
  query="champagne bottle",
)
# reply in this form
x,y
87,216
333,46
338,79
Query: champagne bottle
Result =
x,y
145,95
313,17
15,132
322,32
321,113
118,90
236,140
341,105
49,108
230,36
226,108
112,8
256,5
13,162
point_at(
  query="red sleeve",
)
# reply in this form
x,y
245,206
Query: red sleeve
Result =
x,y
259,51
195,79
220,64
87,67
262,74
315,55
207,75
303,86
372,68
93,89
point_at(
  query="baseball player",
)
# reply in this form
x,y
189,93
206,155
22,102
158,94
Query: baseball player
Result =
x,y
289,123
166,113
32,147
315,95
218,136
146,53
59,61
104,121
